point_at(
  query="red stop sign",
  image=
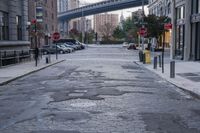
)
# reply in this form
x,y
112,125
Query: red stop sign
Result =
x,y
34,21
56,36
143,31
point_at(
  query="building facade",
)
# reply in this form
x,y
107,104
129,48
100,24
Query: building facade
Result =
x,y
62,5
45,11
138,14
13,25
162,8
102,19
186,31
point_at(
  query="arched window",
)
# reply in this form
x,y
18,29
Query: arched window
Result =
x,y
161,11
169,8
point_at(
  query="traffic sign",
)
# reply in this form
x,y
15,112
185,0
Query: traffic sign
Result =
x,y
168,26
56,36
143,31
34,21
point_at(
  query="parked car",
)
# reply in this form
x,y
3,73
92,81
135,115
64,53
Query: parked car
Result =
x,y
132,46
63,45
51,49
125,44
78,45
67,47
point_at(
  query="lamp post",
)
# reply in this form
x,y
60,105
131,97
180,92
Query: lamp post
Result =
x,y
82,26
143,24
34,24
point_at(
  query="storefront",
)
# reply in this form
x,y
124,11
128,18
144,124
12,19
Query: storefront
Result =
x,y
196,29
197,46
180,32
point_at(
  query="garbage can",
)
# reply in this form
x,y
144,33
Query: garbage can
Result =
x,y
147,54
141,56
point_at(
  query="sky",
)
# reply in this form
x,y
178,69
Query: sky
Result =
x,y
126,12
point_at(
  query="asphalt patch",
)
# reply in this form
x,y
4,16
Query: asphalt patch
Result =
x,y
92,94
54,131
68,116
131,67
166,123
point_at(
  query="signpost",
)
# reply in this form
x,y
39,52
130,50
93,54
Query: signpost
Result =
x,y
56,37
143,31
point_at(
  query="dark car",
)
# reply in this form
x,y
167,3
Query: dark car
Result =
x,y
132,46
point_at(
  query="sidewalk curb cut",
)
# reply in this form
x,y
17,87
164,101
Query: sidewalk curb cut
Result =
x,y
26,74
178,86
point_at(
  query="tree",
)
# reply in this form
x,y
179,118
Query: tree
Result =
x,y
107,31
118,33
130,28
155,26
74,33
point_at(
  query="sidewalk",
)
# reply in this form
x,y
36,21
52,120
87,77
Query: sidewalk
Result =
x,y
187,75
11,73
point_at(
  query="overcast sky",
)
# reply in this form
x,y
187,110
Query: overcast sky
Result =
x,y
126,12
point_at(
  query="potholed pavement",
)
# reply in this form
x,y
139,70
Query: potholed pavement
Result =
x,y
98,90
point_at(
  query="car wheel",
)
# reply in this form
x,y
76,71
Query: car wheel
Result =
x,y
45,52
61,52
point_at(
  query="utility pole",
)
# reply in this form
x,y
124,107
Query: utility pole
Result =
x,y
82,26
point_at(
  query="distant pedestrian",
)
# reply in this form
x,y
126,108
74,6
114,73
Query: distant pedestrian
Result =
x,y
36,53
36,56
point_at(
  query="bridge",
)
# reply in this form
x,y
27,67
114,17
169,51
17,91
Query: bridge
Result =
x,y
100,7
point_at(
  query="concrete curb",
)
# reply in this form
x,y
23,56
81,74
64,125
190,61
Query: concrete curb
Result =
x,y
26,74
169,81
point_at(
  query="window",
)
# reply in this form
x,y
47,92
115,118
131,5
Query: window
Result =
x,y
180,12
198,6
52,16
52,3
169,8
46,27
4,31
19,27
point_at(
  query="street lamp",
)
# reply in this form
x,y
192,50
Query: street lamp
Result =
x,y
82,25
143,24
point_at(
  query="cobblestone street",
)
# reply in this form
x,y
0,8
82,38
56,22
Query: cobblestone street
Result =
x,y
98,90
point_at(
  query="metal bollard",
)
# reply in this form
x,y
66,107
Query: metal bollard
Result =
x,y
0,59
144,58
155,62
172,69
160,61
47,60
